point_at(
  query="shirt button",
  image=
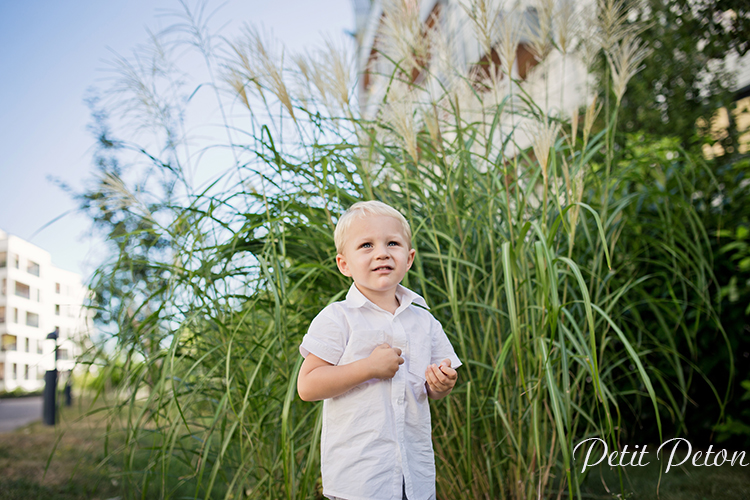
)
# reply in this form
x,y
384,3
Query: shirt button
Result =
x,y
400,401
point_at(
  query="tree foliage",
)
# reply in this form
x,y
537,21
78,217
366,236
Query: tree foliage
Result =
x,y
685,77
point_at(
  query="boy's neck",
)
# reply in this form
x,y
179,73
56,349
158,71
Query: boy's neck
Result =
x,y
386,300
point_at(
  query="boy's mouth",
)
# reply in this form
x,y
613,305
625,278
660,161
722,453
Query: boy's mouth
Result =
x,y
383,268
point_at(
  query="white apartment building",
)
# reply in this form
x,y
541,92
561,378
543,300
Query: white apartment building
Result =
x,y
559,84
36,298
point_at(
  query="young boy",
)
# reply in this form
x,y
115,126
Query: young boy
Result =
x,y
373,359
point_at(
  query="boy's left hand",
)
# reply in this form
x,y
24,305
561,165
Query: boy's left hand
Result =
x,y
441,379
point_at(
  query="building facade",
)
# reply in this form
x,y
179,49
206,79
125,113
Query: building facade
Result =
x,y
454,54
37,298
556,80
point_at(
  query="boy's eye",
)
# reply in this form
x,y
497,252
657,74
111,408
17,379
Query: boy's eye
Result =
x,y
393,243
365,245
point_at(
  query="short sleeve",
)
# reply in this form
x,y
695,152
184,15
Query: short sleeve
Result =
x,y
441,346
327,336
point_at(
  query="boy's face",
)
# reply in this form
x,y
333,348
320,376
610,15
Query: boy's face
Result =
x,y
376,255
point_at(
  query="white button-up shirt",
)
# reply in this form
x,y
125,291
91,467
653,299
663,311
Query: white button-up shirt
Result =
x,y
378,436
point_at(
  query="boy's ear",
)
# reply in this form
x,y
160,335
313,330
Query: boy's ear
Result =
x,y
409,262
342,265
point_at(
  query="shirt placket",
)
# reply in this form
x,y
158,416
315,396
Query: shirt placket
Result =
x,y
398,392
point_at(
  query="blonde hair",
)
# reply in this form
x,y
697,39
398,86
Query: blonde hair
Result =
x,y
363,209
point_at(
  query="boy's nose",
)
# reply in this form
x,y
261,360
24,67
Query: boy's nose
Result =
x,y
382,252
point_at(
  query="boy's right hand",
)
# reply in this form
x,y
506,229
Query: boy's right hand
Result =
x,y
384,361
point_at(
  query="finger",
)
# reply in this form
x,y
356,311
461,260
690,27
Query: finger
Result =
x,y
434,384
438,387
400,361
384,346
429,377
448,371
398,351
437,375
446,362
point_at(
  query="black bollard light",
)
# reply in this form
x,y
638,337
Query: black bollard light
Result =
x,y
68,390
49,403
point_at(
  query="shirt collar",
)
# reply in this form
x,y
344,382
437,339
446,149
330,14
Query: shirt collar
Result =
x,y
355,298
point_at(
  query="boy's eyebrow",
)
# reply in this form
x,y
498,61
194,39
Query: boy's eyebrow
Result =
x,y
387,237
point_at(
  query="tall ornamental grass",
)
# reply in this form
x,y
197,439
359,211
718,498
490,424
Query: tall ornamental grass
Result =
x,y
562,268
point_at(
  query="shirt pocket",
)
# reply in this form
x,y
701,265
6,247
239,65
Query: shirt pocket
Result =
x,y
420,349
361,344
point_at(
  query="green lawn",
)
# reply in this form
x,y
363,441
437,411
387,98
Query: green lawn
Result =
x,y
68,462
78,470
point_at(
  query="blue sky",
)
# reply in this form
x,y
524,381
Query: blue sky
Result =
x,y
52,52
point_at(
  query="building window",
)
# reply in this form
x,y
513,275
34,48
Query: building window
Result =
x,y
57,309
2,314
62,354
32,319
23,290
26,372
32,268
16,261
2,371
39,347
57,288
15,315
525,60
27,345
38,295
3,286
3,259
14,373
8,342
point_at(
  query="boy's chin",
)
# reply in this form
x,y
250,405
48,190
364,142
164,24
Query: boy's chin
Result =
x,y
377,287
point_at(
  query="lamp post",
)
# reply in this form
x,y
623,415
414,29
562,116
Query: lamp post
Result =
x,y
49,407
